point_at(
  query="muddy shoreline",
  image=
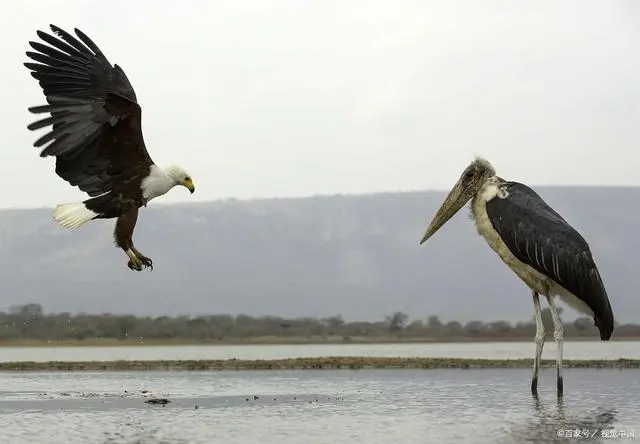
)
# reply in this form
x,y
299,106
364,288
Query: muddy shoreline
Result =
x,y
309,363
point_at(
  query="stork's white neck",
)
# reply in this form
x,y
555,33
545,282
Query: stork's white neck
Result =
x,y
158,182
490,189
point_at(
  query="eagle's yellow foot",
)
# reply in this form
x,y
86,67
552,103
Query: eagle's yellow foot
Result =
x,y
138,261
135,264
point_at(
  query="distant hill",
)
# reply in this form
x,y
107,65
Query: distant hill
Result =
x,y
353,255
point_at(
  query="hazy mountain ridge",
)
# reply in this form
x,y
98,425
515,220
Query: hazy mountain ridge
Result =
x,y
353,255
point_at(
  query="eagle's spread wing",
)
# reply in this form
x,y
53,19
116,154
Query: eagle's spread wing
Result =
x,y
539,237
96,133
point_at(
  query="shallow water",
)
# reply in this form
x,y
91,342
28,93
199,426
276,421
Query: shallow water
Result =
x,y
316,406
489,350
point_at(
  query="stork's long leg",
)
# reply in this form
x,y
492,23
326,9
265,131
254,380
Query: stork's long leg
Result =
x,y
558,336
539,340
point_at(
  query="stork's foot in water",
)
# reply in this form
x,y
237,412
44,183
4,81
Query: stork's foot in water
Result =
x,y
534,386
138,261
560,386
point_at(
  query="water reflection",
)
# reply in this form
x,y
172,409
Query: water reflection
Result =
x,y
555,422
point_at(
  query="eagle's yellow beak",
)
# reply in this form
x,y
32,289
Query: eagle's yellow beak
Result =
x,y
188,183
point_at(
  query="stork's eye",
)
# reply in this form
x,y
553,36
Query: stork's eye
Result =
x,y
187,178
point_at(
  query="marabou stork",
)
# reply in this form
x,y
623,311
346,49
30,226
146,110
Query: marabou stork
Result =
x,y
549,255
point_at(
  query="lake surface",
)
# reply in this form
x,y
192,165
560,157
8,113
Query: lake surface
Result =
x,y
489,350
317,406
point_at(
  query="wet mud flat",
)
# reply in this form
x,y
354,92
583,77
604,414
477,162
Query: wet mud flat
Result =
x,y
331,363
118,401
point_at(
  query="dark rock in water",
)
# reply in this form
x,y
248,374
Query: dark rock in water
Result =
x,y
160,401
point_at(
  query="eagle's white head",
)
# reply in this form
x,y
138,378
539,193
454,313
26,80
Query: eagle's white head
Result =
x,y
161,180
180,177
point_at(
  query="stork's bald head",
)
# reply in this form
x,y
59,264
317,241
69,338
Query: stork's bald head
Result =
x,y
471,180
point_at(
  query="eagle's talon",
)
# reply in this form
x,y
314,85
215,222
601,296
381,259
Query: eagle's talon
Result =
x,y
138,261
146,262
136,264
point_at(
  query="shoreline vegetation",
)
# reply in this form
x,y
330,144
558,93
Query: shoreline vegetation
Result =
x,y
328,363
29,326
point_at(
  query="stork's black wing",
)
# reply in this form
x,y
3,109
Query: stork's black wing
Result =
x,y
95,133
542,239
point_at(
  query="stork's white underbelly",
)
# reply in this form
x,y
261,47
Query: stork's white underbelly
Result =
x,y
533,278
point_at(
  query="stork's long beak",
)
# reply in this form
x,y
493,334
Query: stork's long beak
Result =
x,y
458,196
189,185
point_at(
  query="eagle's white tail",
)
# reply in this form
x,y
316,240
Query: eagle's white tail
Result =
x,y
72,215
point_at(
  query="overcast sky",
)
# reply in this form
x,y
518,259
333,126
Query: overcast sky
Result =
x,y
261,98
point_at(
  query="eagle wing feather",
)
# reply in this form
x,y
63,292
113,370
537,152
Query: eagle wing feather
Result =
x,y
94,118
